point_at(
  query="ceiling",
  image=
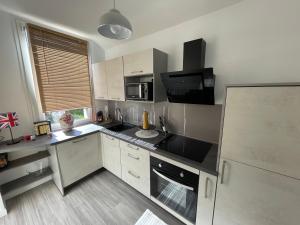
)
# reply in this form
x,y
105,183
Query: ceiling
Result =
x,y
81,16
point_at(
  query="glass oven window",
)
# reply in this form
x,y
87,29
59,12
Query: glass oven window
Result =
x,y
180,199
179,193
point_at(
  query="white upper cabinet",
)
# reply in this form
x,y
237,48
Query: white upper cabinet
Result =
x,y
206,198
262,128
100,82
115,79
247,195
138,63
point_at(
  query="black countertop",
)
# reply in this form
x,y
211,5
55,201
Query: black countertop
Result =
x,y
208,165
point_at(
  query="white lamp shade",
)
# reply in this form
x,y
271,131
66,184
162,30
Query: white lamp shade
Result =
x,y
114,25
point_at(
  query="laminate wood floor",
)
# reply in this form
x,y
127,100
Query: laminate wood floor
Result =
x,y
99,199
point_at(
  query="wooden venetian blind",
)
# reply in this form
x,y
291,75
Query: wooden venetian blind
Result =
x,y
62,69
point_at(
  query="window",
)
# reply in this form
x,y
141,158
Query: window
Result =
x,y
62,73
80,116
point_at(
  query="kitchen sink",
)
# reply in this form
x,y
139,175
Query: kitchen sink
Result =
x,y
120,127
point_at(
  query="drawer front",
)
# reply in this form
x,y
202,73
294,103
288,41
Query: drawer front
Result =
x,y
133,155
137,178
78,158
110,140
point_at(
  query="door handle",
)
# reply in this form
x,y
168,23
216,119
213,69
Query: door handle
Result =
x,y
133,147
222,172
132,174
137,71
79,140
205,189
109,137
132,156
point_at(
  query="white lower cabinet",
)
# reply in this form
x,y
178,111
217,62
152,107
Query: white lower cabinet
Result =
x,y
78,158
136,167
206,198
111,154
248,195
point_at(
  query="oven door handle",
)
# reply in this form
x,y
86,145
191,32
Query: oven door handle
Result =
x,y
172,181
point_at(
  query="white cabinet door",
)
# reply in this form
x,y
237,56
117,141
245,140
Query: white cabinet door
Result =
x,y
115,79
99,80
111,154
78,158
206,198
262,128
138,63
247,195
136,167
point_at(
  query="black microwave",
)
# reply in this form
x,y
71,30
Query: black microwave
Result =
x,y
140,91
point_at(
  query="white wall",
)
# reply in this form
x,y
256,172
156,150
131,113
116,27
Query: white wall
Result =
x,y
254,41
12,87
12,84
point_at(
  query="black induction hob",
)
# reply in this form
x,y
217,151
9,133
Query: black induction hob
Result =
x,y
186,147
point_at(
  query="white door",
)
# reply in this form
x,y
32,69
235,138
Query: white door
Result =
x,y
262,128
78,158
138,63
99,80
115,79
250,196
206,198
111,154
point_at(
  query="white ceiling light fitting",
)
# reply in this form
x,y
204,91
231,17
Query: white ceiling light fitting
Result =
x,y
114,25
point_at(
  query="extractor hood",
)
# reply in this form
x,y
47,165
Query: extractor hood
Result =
x,y
194,84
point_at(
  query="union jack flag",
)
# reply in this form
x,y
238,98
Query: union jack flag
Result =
x,y
9,119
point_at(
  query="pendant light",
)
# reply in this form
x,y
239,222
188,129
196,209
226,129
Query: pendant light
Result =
x,y
114,25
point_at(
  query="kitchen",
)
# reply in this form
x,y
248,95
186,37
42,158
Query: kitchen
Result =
x,y
162,133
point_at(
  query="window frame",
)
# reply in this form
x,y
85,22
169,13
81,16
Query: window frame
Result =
x,y
87,111
31,83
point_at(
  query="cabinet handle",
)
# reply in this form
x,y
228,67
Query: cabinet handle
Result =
x,y
132,147
109,137
222,172
132,174
137,71
99,97
115,98
80,140
132,156
206,184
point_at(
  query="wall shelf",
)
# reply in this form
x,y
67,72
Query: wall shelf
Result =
x,y
27,182
25,160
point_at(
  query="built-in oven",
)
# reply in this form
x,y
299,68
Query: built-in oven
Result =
x,y
141,91
175,188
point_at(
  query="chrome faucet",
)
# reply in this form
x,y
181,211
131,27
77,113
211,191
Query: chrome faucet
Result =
x,y
118,110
